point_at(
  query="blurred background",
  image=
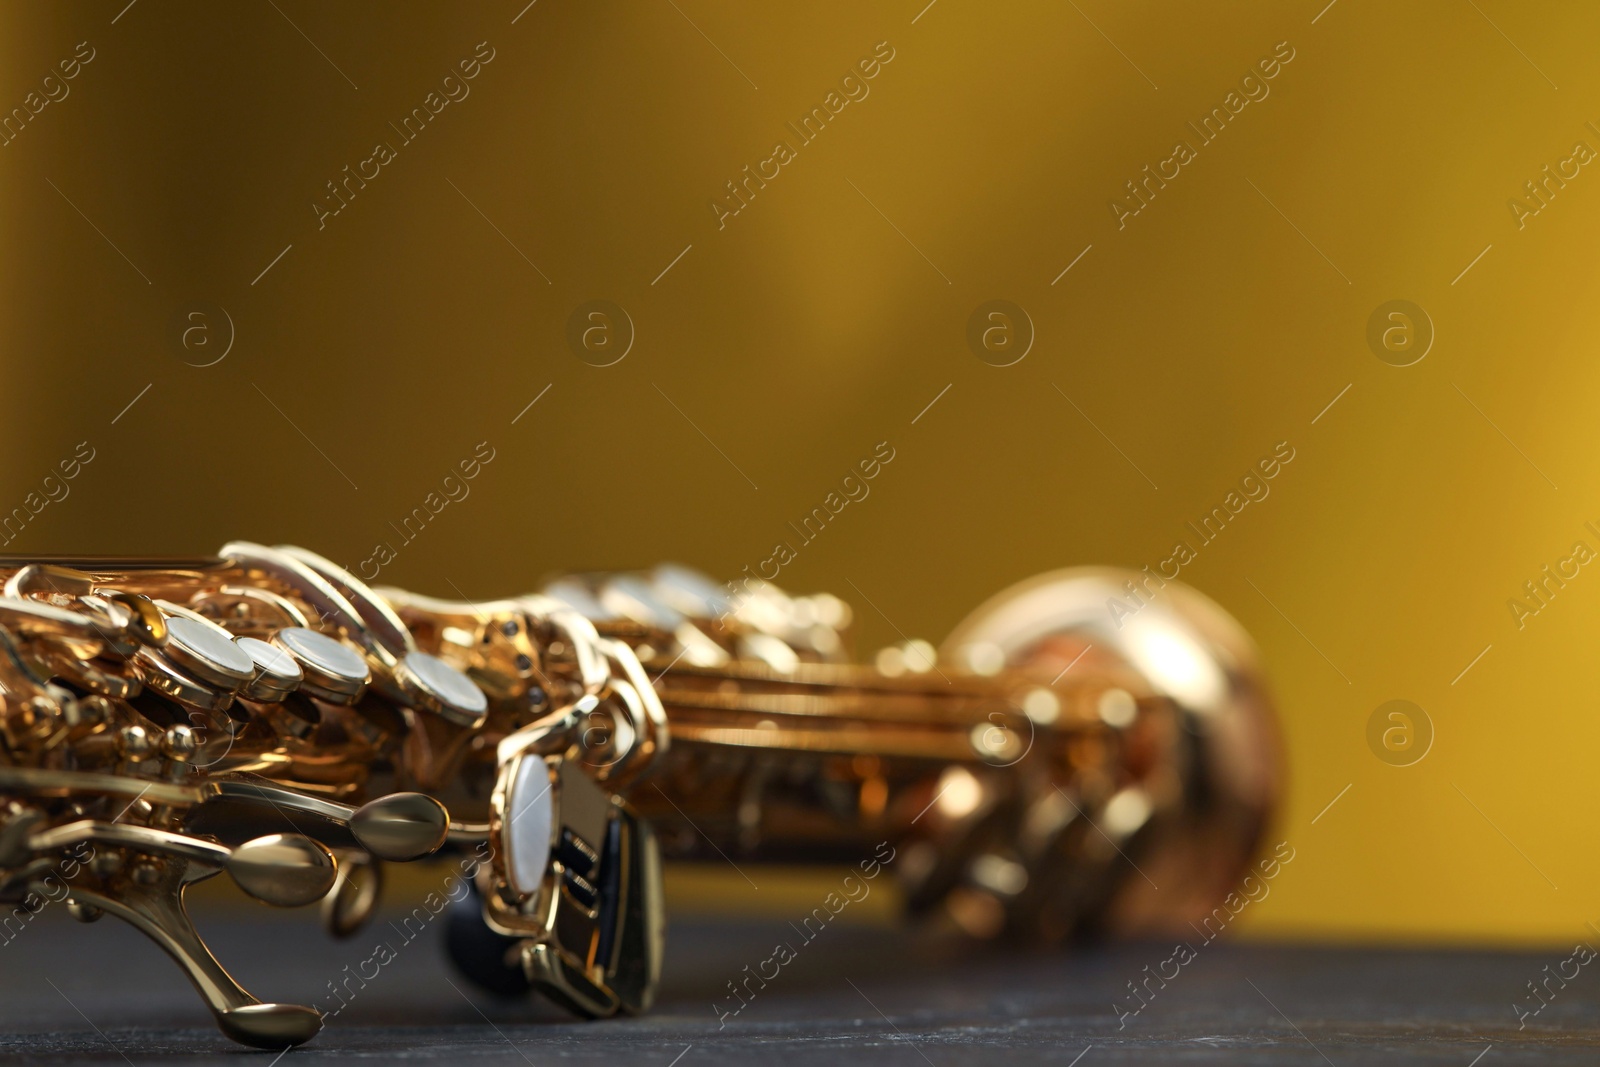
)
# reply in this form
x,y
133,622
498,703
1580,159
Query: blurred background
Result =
x,y
273,270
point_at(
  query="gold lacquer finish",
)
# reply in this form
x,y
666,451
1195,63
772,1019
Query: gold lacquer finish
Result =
x,y
162,721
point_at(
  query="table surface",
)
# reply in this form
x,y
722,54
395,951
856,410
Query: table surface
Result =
x,y
102,994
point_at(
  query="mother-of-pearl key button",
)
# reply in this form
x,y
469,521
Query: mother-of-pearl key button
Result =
x,y
690,591
333,671
277,673
529,823
442,689
634,598
207,651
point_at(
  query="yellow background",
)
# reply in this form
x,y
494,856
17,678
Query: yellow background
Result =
x,y
1222,320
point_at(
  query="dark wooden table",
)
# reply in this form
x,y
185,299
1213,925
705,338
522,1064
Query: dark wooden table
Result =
x,y
101,994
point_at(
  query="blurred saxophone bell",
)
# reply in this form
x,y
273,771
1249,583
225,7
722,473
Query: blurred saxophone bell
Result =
x,y
1187,649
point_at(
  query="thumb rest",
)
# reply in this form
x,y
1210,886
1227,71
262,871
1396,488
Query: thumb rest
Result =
x,y
1049,773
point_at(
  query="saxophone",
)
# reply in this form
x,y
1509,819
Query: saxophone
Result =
x,y
1053,771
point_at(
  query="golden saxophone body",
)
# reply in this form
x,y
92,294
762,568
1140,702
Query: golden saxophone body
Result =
x,y
1053,770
